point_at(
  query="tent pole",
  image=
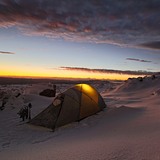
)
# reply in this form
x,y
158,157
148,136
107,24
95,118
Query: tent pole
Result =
x,y
62,100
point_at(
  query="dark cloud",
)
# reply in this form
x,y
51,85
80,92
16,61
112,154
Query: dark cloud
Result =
x,y
126,23
138,60
109,71
153,45
2,52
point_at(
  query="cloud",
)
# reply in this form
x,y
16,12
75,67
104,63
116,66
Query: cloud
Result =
x,y
138,60
124,23
153,45
2,52
107,71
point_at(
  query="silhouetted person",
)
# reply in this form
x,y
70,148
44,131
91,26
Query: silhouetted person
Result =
x,y
21,113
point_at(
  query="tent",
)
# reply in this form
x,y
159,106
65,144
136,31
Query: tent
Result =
x,y
75,104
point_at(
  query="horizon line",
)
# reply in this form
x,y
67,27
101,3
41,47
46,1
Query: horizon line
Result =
x,y
54,78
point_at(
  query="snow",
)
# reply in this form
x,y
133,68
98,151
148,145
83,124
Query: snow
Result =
x,y
128,129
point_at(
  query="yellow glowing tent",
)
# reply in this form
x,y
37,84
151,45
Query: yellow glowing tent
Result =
x,y
75,104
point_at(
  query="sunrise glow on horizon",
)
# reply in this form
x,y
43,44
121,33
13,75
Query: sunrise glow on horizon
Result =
x,y
67,75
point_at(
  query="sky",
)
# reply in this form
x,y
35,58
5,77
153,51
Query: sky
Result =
x,y
100,39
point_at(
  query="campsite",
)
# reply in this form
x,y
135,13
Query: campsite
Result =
x,y
79,79
127,128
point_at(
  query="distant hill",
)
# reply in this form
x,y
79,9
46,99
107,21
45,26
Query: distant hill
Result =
x,y
9,80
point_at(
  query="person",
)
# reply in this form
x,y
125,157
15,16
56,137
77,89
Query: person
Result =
x,y
24,113
21,113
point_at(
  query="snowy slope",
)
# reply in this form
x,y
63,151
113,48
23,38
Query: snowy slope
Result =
x,y
128,130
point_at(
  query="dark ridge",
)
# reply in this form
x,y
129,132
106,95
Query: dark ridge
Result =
x,y
8,80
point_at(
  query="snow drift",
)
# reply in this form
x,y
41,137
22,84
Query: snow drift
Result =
x,y
130,129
